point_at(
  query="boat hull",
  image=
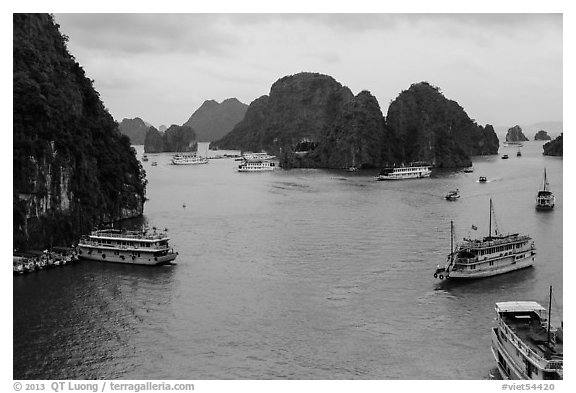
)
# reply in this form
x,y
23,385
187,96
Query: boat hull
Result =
x,y
404,176
494,271
122,256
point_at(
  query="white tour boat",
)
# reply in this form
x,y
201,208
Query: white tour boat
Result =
x,y
513,143
413,171
492,255
545,200
188,159
257,156
524,344
136,247
256,166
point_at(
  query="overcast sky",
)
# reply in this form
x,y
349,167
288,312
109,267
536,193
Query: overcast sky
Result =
x,y
503,69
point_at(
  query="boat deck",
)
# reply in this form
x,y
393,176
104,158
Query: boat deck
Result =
x,y
534,335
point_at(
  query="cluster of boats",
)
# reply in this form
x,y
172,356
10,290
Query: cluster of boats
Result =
x,y
27,262
256,162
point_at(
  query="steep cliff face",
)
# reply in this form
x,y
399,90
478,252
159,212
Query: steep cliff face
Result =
x,y
301,106
430,127
515,134
213,120
555,147
175,139
72,169
542,136
358,137
135,129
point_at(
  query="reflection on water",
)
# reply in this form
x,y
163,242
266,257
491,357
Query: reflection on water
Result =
x,y
301,274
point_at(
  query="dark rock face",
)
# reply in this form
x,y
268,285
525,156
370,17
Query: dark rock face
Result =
x,y
135,129
542,136
515,134
72,168
555,147
175,139
213,120
301,106
429,127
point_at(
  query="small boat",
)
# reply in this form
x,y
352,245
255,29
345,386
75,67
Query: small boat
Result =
x,y
135,247
452,195
188,159
415,170
505,157
256,166
154,163
518,153
144,157
482,179
545,199
468,170
524,343
492,255
351,169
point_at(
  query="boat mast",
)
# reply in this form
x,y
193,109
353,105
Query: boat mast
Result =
x,y
545,182
549,315
490,222
451,237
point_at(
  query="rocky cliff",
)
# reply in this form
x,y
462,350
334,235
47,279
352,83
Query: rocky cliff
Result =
x,y
555,147
515,134
542,136
72,168
174,139
135,129
213,120
430,127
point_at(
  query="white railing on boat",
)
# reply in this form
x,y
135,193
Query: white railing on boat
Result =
x,y
128,235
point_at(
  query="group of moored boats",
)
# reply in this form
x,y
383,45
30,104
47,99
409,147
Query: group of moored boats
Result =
x,y
31,261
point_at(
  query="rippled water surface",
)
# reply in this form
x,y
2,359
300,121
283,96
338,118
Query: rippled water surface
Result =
x,y
301,274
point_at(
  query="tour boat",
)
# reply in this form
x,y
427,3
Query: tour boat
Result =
x,y
513,143
136,247
144,157
482,179
545,199
489,256
257,156
188,159
413,171
518,153
524,344
505,157
256,166
452,195
468,170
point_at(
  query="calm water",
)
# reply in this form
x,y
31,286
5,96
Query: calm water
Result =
x,y
301,274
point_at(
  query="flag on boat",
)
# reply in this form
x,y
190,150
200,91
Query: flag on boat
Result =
x,y
474,227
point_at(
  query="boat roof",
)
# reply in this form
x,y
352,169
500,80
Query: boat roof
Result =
x,y
521,306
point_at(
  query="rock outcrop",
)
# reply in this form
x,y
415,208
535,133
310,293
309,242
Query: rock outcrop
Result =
x,y
542,136
555,147
72,168
515,134
174,139
213,120
430,127
135,129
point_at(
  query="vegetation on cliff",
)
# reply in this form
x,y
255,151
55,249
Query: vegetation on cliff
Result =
x,y
135,129
555,147
430,127
515,134
174,139
72,168
213,120
542,136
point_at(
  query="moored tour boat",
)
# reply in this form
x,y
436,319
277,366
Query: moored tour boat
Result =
x,y
188,159
489,256
415,170
262,156
135,247
468,169
524,344
256,166
545,199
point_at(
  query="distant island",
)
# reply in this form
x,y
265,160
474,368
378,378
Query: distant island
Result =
x,y
515,134
135,129
555,147
211,121
72,168
542,136
174,139
340,130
